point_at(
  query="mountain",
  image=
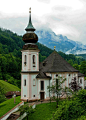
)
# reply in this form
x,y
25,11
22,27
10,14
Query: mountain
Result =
x,y
11,42
62,43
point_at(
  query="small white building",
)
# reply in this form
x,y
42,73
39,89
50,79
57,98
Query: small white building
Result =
x,y
34,77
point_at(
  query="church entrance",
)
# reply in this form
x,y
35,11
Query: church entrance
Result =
x,y
42,95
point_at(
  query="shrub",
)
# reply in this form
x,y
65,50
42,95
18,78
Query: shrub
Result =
x,y
68,110
26,108
72,109
82,118
81,98
82,95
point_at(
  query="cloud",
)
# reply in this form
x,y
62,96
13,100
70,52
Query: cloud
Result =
x,y
16,25
62,16
44,1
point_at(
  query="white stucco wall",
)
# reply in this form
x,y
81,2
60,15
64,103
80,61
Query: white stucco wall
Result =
x,y
29,90
46,83
29,62
25,88
83,83
34,88
64,75
38,93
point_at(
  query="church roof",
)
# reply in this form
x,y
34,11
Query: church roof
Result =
x,y
80,75
42,75
55,63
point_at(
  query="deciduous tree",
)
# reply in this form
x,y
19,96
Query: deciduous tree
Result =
x,y
57,88
74,85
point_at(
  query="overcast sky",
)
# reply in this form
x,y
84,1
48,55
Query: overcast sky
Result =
x,y
66,17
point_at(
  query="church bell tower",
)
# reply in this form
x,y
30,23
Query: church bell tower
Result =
x,y
30,63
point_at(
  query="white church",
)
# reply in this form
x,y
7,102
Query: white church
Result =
x,y
36,77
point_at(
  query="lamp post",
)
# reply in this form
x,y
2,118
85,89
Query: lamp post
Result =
x,y
14,97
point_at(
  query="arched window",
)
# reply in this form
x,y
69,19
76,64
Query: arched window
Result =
x,y
42,85
33,59
25,59
81,81
74,78
25,82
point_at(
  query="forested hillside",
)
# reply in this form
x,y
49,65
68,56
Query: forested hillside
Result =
x,y
10,56
82,56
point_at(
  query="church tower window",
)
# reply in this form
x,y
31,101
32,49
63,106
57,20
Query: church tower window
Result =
x,y
25,82
33,59
25,59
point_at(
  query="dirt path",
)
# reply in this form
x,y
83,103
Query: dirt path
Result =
x,y
39,102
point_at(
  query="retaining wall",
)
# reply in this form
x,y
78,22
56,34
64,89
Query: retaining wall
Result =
x,y
5,116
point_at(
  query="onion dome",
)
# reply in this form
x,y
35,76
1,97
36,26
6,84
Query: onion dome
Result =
x,y
30,36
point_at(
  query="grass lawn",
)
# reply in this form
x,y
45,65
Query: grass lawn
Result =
x,y
8,87
8,105
43,111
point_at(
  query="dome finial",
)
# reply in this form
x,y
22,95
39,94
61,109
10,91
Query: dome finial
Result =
x,y
30,36
54,47
30,26
30,10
